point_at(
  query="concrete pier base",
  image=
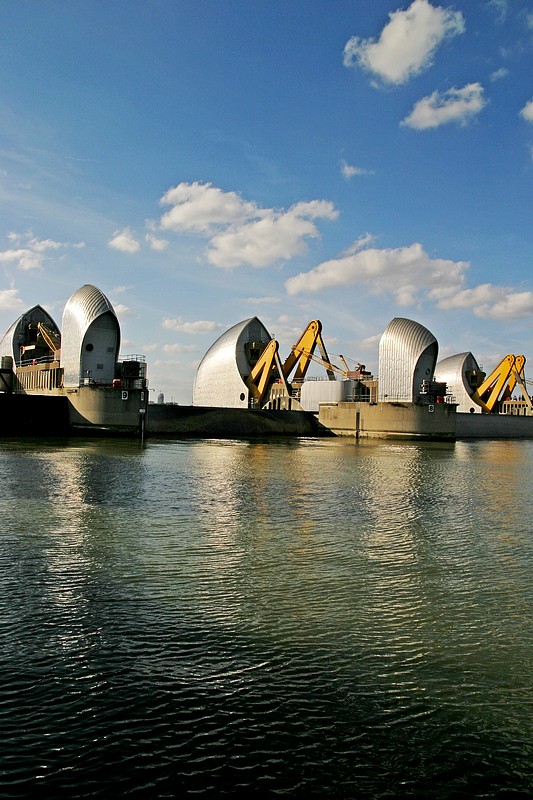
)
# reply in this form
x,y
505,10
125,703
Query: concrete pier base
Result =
x,y
390,420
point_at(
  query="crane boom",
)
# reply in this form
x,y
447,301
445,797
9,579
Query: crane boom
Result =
x,y
302,353
261,375
500,383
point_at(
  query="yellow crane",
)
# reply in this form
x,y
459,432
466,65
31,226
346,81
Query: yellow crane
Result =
x,y
51,338
302,353
499,385
268,368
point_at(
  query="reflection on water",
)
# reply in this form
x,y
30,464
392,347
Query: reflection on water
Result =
x,y
299,618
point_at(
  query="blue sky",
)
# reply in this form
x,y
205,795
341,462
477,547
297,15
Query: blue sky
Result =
x,y
203,162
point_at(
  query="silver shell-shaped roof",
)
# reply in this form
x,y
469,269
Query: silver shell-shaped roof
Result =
x,y
407,356
16,335
220,377
91,338
458,371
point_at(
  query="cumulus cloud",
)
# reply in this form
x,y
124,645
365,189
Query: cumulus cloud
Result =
x,y
239,232
30,252
527,111
200,326
22,258
10,301
124,241
278,235
455,105
511,305
487,300
200,207
411,277
407,43
156,244
404,271
348,171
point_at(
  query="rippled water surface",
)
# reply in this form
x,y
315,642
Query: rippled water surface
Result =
x,y
294,618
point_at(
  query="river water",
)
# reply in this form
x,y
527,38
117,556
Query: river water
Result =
x,y
290,618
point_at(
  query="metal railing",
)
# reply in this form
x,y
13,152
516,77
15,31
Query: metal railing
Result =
x,y
133,357
31,362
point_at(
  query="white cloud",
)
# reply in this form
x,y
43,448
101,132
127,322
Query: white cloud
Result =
x,y
405,272
124,241
156,244
279,235
487,300
23,258
166,363
455,105
501,8
263,300
178,348
498,74
122,311
359,244
200,326
31,255
349,172
514,305
200,207
407,43
411,277
527,111
242,233
10,301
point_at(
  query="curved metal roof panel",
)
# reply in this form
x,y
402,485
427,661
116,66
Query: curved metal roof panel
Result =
x,y
407,355
83,307
91,337
15,336
220,377
456,371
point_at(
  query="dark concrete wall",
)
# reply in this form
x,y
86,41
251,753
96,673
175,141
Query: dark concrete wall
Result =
x,y
494,426
33,415
173,420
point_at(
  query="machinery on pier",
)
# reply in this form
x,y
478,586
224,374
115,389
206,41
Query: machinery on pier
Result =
x,y
269,375
243,368
275,383
497,388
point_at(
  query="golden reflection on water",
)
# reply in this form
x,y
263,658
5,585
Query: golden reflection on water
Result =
x,y
310,530
406,568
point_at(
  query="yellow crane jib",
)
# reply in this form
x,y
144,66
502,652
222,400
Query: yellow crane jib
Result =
x,y
500,383
302,353
261,375
52,339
